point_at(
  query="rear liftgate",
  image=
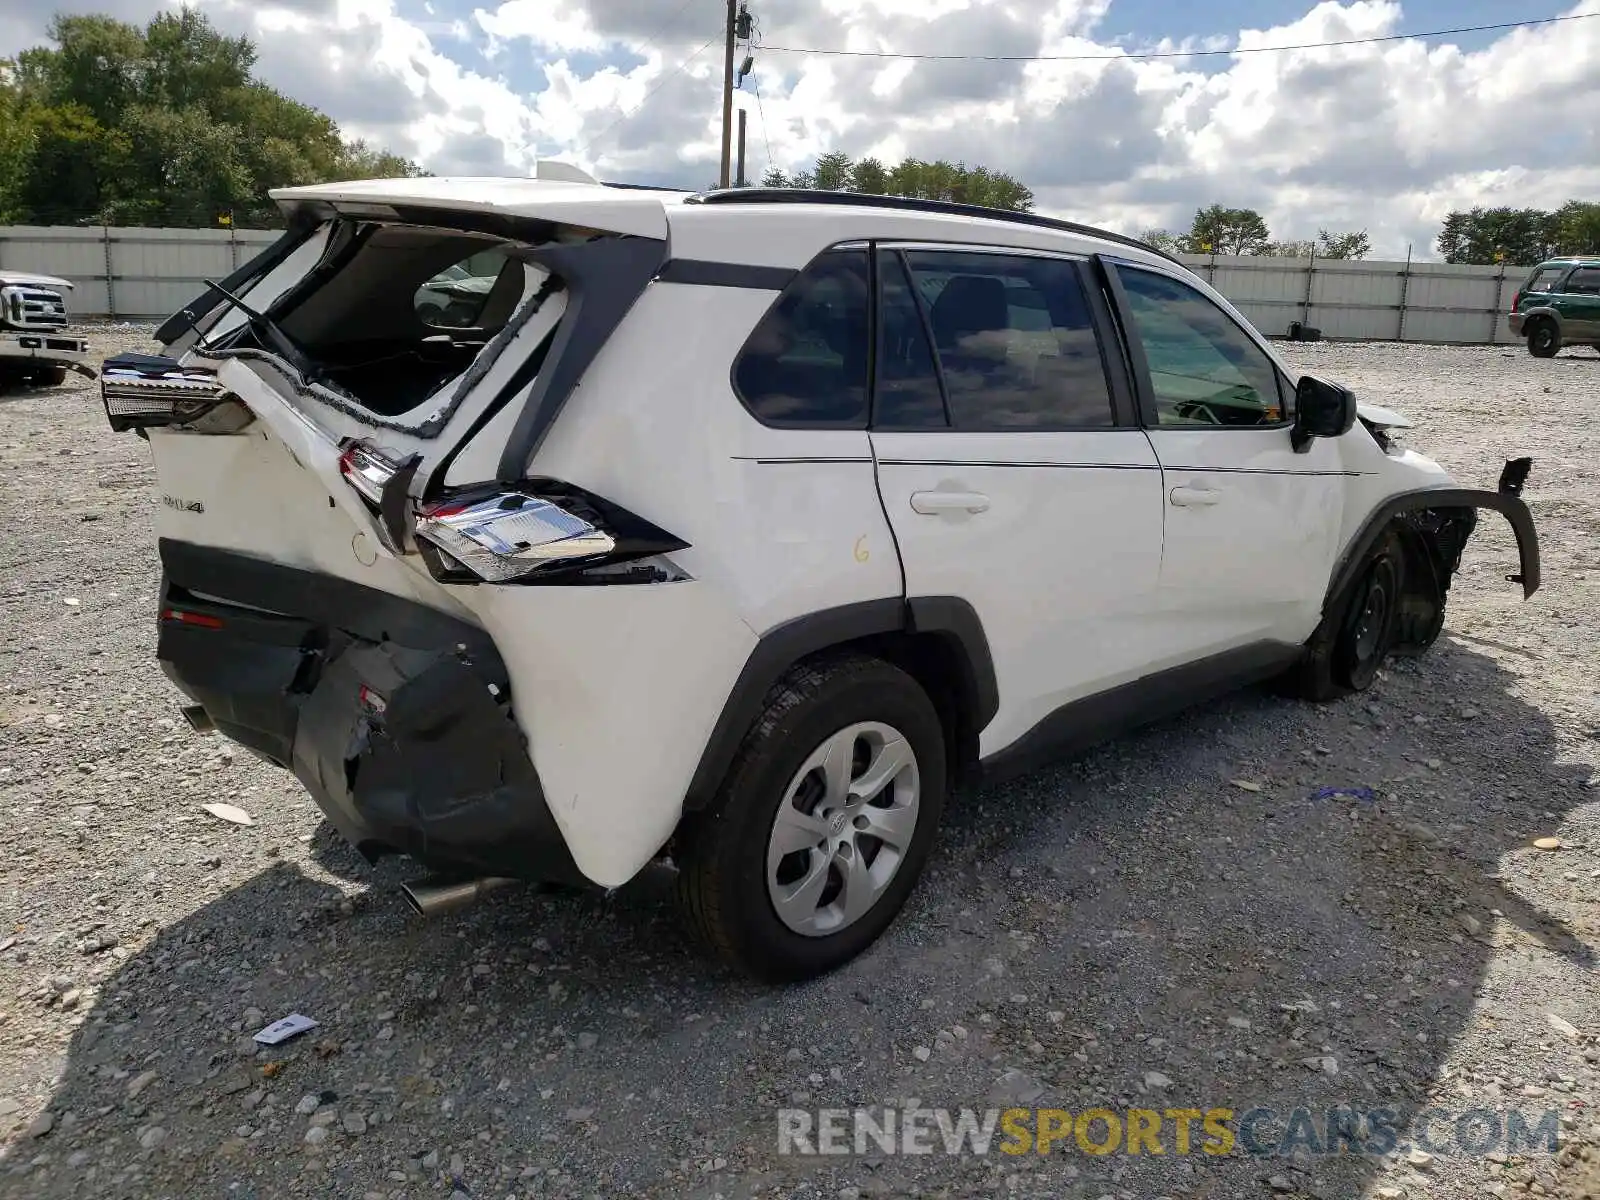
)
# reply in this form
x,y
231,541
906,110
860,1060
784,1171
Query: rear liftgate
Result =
x,y
396,716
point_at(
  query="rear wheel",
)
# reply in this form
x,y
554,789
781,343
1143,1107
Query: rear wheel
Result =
x,y
1345,654
1544,339
823,825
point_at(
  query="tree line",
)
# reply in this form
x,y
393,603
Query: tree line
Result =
x,y
164,124
954,182
1520,236
1220,230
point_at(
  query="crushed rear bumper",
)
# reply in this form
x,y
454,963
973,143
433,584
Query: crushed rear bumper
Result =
x,y
396,717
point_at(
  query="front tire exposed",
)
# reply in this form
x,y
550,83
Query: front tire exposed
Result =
x,y
825,821
1344,656
1544,339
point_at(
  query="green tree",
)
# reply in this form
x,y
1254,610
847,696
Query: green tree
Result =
x,y
832,173
1577,227
1518,236
869,176
1355,244
1163,240
1287,249
941,180
163,123
1219,230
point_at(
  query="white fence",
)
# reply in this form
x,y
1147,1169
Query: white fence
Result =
x,y
134,274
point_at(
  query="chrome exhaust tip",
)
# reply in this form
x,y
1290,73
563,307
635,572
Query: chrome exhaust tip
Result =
x,y
199,719
430,896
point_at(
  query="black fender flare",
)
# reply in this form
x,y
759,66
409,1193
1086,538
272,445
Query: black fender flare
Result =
x,y
781,647
1507,502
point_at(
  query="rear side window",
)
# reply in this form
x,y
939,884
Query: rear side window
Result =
x,y
805,364
1015,341
1544,279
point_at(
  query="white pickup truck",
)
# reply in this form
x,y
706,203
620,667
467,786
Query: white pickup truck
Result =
x,y
34,344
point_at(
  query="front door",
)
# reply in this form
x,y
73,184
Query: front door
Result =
x,y
1579,305
1252,527
1013,472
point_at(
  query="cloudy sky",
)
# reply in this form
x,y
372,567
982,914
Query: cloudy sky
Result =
x,y
1386,137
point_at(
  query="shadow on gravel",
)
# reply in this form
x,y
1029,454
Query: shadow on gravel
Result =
x,y
1133,928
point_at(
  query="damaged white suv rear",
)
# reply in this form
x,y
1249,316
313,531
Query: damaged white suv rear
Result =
x,y
735,528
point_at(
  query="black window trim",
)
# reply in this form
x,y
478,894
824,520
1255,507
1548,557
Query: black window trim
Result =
x,y
1134,344
1123,415
853,245
927,332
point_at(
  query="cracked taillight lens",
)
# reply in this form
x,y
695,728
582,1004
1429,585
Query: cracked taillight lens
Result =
x,y
366,469
509,535
515,535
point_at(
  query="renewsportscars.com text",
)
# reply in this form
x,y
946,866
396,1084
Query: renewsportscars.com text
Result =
x,y
1259,1131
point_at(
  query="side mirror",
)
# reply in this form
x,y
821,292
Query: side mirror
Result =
x,y
1322,409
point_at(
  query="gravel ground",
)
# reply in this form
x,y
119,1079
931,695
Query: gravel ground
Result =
x,y
1170,922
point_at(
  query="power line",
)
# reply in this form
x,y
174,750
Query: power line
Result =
x,y
665,25
1393,37
762,113
643,100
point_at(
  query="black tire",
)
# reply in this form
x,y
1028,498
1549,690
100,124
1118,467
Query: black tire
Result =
x,y
47,377
1544,339
722,853
1345,654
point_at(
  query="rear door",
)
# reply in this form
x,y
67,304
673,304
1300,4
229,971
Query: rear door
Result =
x,y
1252,527
1012,471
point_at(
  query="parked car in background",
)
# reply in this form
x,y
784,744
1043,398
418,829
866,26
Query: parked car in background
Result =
x,y
34,345
734,527
1557,305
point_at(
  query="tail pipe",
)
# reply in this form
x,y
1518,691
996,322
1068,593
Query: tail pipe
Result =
x,y
435,894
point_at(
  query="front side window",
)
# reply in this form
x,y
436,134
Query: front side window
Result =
x,y
1015,340
805,363
1204,369
1585,281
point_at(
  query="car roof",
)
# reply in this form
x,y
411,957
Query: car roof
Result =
x,y
642,210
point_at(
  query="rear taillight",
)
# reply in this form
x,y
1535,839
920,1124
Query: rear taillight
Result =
x,y
144,392
528,535
1516,299
367,469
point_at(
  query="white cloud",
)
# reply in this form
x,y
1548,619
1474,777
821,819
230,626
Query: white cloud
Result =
x,y
1385,136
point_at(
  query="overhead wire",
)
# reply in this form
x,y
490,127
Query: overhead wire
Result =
x,y
645,99
1367,41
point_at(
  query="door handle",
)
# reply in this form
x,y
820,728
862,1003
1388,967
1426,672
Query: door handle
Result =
x,y
934,503
1190,497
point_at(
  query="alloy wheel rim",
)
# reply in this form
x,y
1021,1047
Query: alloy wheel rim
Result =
x,y
843,829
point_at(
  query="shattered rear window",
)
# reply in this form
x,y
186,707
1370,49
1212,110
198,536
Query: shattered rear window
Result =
x,y
395,315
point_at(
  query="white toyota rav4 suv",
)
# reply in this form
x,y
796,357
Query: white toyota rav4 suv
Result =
x,y
736,527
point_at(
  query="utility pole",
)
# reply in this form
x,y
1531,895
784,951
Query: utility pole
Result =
x,y
727,89
738,177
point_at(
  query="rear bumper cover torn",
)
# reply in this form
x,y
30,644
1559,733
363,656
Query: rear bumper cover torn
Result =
x,y
395,717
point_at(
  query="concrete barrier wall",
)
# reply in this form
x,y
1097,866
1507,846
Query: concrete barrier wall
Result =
x,y
146,274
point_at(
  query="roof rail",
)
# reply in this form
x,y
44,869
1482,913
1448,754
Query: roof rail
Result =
x,y
642,187
763,195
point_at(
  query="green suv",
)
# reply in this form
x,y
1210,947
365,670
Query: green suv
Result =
x,y
1559,303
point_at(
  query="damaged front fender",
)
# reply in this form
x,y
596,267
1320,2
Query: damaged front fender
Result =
x,y
1434,525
